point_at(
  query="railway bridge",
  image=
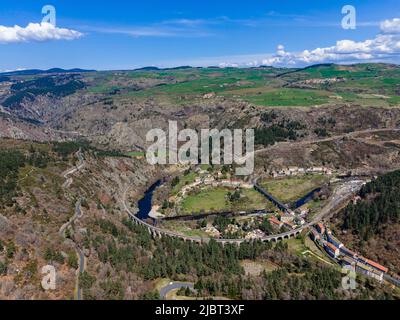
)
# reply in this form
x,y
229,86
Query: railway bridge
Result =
x,y
270,197
157,232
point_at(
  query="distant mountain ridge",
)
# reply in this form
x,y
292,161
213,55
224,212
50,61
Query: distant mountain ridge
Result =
x,y
32,72
151,68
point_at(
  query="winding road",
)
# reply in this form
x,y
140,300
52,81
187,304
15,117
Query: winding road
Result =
x,y
77,215
173,286
332,138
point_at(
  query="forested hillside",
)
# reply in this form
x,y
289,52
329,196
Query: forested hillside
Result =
x,y
215,269
380,205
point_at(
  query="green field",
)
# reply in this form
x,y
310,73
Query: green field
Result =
x,y
185,228
184,180
214,199
363,84
293,188
288,97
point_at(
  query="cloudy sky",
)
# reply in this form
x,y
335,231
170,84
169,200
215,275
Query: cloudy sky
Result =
x,y
120,34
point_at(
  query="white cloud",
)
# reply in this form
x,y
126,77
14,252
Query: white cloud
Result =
x,y
135,32
168,29
391,26
385,46
36,32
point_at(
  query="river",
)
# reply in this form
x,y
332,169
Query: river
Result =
x,y
308,197
145,203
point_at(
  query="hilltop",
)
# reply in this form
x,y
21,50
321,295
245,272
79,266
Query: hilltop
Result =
x,y
117,108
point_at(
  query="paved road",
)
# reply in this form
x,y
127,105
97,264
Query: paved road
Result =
x,y
307,142
81,269
66,174
173,286
77,215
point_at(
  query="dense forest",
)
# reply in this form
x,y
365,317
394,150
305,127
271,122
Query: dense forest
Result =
x,y
12,160
216,270
10,163
28,90
68,148
379,205
284,130
4,79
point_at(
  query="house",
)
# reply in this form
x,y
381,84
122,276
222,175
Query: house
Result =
x,y
275,222
287,218
255,234
348,252
334,241
321,228
348,261
303,211
212,231
369,271
209,95
332,250
315,235
373,264
290,225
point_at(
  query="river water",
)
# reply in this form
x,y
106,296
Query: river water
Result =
x,y
308,197
145,203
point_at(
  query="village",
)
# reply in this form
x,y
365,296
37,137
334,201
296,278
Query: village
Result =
x,y
251,216
324,238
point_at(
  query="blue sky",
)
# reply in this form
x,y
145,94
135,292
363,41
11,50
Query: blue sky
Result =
x,y
117,34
